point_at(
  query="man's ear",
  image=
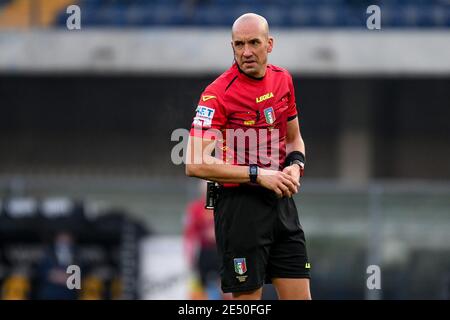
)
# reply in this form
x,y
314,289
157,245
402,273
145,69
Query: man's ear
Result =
x,y
270,47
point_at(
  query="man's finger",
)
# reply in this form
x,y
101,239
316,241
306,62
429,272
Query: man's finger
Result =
x,y
287,181
295,180
285,189
291,178
278,192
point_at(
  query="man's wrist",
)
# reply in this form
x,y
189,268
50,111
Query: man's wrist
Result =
x,y
300,165
296,157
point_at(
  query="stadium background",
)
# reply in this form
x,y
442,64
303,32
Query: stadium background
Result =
x,y
87,117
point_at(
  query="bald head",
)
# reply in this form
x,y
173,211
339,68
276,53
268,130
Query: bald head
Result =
x,y
251,44
251,22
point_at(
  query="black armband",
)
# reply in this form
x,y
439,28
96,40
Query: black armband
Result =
x,y
295,157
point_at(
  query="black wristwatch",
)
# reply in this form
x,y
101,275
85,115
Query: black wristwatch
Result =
x,y
253,172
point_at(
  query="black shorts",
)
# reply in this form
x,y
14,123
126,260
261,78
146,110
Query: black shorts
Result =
x,y
259,237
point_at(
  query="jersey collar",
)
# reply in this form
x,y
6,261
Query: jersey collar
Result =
x,y
249,77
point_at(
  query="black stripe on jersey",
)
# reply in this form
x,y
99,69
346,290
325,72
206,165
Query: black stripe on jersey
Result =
x,y
230,83
292,118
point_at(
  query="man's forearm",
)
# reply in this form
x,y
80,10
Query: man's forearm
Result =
x,y
295,145
294,140
215,169
224,173
201,164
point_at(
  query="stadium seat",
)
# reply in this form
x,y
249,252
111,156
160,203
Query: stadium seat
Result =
x,y
286,13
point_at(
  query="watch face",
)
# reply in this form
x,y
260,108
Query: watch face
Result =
x,y
253,172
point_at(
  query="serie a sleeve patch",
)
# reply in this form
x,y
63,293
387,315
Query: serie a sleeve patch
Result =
x,y
203,117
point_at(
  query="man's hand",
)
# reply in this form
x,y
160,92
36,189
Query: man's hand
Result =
x,y
283,184
294,172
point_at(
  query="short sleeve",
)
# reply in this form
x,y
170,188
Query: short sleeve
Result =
x,y
292,105
209,114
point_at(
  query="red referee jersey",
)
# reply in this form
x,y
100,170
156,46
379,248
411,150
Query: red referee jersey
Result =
x,y
250,114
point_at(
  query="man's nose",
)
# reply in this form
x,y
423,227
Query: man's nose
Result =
x,y
247,51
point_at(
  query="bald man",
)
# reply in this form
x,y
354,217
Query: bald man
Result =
x,y
248,118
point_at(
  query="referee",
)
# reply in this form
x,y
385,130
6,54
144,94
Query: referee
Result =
x,y
258,161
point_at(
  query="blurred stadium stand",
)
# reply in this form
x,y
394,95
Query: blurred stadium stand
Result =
x,y
89,115
284,13
220,13
27,228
